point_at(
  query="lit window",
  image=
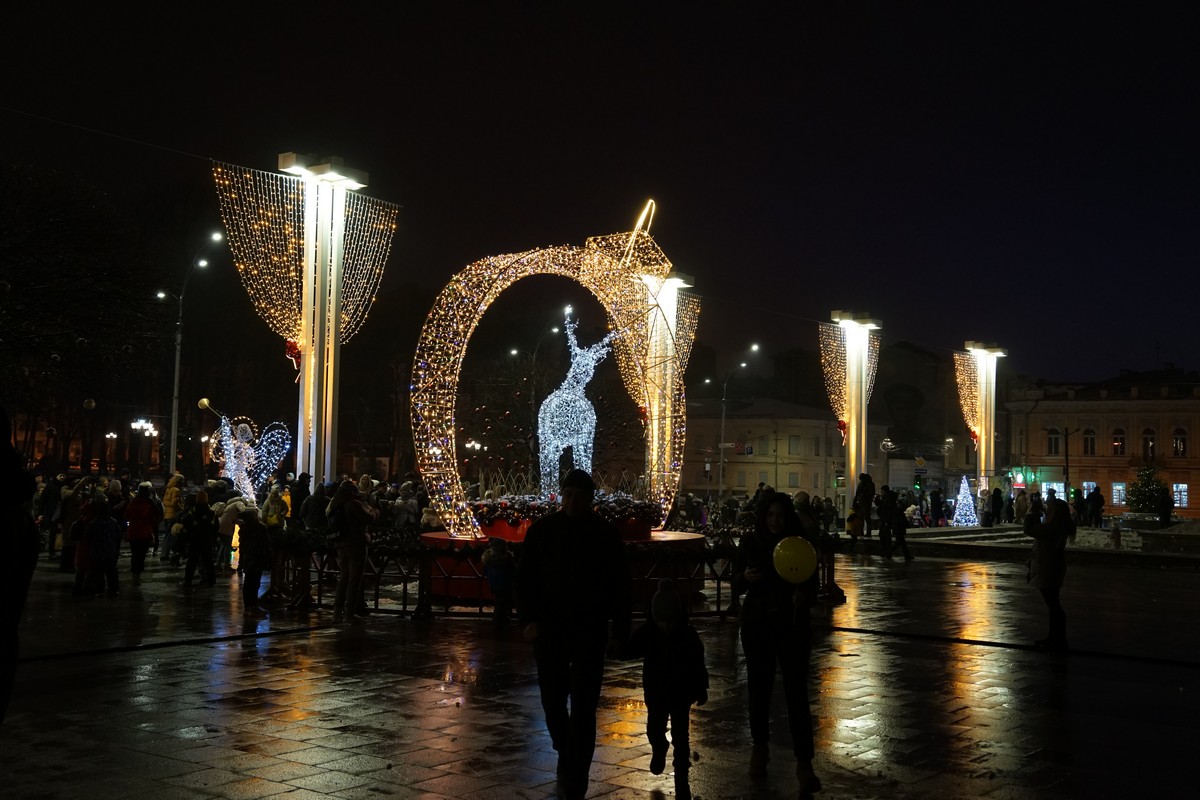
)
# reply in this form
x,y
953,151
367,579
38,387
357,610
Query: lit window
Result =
x,y
1088,487
1179,443
1089,442
1118,441
1148,444
1180,492
1118,494
1053,442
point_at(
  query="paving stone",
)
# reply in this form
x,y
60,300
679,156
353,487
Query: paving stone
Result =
x,y
923,685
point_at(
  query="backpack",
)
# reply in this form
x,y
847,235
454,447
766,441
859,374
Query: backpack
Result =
x,y
334,522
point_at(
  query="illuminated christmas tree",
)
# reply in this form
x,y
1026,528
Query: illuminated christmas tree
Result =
x,y
964,506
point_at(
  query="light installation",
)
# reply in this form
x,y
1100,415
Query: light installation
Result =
x,y
849,359
249,457
566,417
975,376
655,325
964,506
310,253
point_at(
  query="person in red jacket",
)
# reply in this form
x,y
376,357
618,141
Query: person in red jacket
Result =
x,y
142,518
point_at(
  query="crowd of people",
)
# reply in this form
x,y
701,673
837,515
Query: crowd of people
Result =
x,y
85,522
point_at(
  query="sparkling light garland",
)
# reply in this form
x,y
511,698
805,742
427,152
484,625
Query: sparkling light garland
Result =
x,y
566,417
263,214
248,457
966,376
613,269
832,340
964,506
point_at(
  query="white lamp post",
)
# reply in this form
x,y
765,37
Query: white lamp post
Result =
x,y
857,329
985,356
327,182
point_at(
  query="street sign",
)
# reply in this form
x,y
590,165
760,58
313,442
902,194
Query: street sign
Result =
x,y
749,450
920,462
726,445
920,472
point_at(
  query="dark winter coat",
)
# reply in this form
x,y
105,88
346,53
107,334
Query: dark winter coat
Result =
x,y
1048,561
573,575
773,593
673,671
254,544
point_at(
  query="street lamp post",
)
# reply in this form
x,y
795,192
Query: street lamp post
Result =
x,y
147,430
533,410
721,442
110,457
196,262
533,368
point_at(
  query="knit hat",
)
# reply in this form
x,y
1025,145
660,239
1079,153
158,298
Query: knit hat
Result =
x,y
665,608
578,479
114,486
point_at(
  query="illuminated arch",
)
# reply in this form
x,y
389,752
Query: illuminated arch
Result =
x,y
631,277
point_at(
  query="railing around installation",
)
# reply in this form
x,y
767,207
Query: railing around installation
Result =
x,y
403,582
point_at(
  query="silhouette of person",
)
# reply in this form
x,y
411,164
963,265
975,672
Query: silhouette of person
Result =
x,y
572,580
22,546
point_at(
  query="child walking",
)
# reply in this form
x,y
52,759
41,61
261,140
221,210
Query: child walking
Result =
x,y
673,677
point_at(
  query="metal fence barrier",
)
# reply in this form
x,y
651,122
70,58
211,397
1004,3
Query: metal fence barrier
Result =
x,y
423,581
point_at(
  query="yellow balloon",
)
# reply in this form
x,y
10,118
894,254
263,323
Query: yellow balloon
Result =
x,y
795,559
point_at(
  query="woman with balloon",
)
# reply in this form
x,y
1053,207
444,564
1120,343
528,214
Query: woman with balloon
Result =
x,y
776,568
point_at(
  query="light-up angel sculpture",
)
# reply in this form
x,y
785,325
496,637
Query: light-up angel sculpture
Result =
x,y
250,457
566,418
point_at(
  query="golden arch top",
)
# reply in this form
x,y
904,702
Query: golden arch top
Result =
x,y
631,277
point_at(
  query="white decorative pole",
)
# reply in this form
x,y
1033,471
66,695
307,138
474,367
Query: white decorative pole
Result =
x,y
984,356
849,356
664,384
311,255
326,185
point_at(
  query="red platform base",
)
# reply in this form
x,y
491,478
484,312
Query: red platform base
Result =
x,y
661,554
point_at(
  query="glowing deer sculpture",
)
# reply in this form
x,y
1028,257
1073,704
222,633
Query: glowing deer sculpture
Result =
x,y
566,418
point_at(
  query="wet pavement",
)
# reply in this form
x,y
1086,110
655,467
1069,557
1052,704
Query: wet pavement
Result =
x,y
924,686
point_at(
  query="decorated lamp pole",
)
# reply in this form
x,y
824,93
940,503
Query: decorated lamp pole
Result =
x,y
975,375
849,358
310,253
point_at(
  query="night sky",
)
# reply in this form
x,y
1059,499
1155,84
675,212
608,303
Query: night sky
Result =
x,y
1010,173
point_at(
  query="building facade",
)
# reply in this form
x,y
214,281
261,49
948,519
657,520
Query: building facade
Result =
x,y
1087,436
787,446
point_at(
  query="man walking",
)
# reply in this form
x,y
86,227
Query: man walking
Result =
x,y
572,580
